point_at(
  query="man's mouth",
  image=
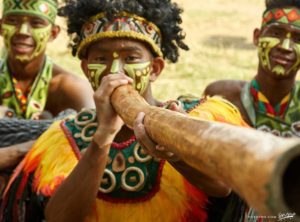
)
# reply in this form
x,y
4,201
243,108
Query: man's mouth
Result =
x,y
22,48
281,60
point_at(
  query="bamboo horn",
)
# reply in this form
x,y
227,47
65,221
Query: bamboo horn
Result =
x,y
261,168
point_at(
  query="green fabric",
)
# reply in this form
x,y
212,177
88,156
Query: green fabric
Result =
x,y
82,129
288,126
37,97
46,9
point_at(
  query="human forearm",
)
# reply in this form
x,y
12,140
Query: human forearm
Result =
x,y
205,183
11,155
74,198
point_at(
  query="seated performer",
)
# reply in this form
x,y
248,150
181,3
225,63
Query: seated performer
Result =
x,y
91,167
31,85
30,82
271,100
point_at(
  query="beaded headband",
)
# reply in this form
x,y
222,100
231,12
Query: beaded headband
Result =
x,y
46,9
123,25
282,15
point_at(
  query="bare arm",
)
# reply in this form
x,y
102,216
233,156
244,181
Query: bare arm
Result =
x,y
11,155
73,200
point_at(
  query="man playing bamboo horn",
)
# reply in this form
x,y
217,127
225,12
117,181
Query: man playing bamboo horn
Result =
x,y
31,85
91,167
271,100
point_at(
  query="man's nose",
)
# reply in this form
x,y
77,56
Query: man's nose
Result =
x,y
115,66
25,29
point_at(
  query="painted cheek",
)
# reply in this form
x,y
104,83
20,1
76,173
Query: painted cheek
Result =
x,y
140,73
265,45
41,37
295,67
8,32
94,73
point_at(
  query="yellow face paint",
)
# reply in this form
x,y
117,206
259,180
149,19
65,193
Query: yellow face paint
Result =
x,y
39,35
95,71
140,73
266,44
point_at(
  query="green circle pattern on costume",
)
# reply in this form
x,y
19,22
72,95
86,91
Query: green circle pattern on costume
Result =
x,y
38,94
46,9
138,174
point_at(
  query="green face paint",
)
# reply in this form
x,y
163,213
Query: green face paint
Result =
x,y
39,35
95,71
140,73
266,44
264,47
7,32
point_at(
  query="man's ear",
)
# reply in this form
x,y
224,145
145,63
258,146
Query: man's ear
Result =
x,y
158,65
84,66
256,35
54,32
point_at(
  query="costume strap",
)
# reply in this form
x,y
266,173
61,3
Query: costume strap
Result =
x,y
123,25
46,9
282,15
247,102
263,105
37,97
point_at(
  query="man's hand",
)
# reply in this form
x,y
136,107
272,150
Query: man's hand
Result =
x,y
148,144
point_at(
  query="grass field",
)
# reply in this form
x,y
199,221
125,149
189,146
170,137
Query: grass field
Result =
x,y
219,33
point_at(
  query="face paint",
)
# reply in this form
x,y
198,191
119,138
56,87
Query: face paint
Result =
x,y
95,71
266,44
39,35
7,32
140,73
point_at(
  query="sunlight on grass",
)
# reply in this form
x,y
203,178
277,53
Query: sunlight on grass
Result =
x,y
219,34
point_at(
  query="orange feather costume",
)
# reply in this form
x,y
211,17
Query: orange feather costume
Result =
x,y
151,191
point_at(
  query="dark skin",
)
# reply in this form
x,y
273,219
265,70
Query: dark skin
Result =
x,y
269,82
63,205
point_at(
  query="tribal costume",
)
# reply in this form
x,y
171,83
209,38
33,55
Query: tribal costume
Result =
x,y
263,116
25,105
135,186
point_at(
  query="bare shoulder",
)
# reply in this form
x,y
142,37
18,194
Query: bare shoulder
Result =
x,y
229,89
68,90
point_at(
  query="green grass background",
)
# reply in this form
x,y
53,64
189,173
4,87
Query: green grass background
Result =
x,y
219,34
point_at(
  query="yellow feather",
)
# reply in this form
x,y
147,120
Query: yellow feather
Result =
x,y
168,204
51,170
218,109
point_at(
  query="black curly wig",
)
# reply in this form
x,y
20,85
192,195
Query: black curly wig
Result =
x,y
270,4
163,13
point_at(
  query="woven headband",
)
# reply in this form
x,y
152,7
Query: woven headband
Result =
x,y
123,25
282,15
46,9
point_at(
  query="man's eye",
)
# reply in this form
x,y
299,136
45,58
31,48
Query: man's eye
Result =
x,y
37,24
131,58
12,21
100,59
